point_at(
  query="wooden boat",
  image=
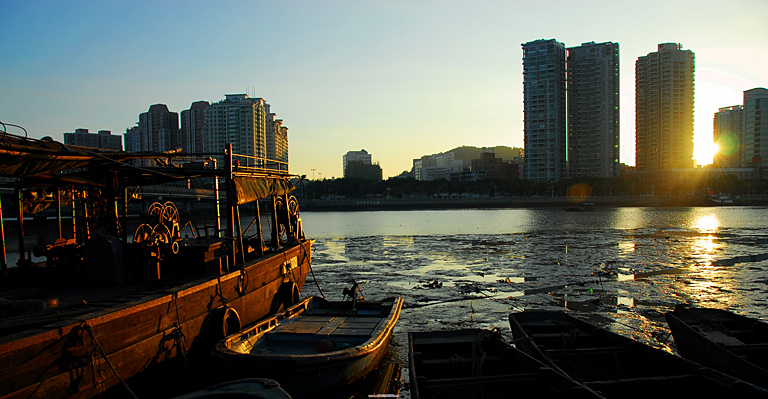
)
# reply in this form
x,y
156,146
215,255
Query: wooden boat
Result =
x,y
729,342
313,346
614,365
248,388
105,312
475,363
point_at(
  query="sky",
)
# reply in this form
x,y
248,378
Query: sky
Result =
x,y
400,79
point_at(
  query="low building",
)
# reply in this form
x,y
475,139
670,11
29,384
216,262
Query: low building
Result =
x,y
103,139
363,170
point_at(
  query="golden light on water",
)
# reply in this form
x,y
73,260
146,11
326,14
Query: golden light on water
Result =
x,y
706,246
707,223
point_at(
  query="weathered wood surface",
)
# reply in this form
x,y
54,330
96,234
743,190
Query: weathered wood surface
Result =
x,y
63,358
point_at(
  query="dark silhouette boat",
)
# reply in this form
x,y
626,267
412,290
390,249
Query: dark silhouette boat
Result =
x,y
581,207
473,363
106,312
616,366
313,347
730,342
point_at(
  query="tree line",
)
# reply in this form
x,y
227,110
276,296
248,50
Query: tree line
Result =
x,y
408,188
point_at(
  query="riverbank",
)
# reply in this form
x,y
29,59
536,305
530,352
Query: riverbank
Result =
x,y
513,202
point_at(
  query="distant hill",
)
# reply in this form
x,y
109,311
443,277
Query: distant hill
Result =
x,y
467,153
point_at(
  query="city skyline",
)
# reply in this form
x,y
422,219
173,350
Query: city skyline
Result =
x,y
399,79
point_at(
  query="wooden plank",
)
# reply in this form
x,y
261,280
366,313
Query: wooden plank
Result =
x,y
358,332
334,324
361,323
300,328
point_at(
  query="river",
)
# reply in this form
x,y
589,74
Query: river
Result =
x,y
621,268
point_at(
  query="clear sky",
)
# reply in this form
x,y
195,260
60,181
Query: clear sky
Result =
x,y
400,79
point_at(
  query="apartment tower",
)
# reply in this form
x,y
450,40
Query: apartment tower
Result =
x,y
241,121
593,110
192,124
756,132
277,141
544,110
728,134
664,83
158,129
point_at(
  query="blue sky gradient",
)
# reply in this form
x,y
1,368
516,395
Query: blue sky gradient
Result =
x,y
400,79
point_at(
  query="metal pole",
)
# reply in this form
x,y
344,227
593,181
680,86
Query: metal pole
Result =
x,y
261,238
22,251
73,199
125,214
4,264
218,203
85,216
58,208
239,233
231,204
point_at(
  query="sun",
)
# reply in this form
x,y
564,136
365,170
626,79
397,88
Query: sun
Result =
x,y
704,151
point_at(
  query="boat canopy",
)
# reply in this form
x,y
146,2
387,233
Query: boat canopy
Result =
x,y
247,189
50,163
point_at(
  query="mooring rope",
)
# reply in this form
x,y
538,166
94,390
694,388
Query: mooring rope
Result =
x,y
86,327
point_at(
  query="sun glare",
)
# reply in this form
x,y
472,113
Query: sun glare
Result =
x,y
704,152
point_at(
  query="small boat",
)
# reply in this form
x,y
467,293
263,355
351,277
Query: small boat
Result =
x,y
581,207
732,343
313,346
248,388
616,366
473,363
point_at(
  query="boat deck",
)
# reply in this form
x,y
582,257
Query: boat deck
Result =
x,y
318,332
328,326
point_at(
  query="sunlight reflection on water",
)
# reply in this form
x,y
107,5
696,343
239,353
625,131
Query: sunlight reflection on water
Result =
x,y
624,266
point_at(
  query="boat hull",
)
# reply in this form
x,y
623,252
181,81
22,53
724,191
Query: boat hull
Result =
x,y
476,363
742,349
149,331
302,369
614,365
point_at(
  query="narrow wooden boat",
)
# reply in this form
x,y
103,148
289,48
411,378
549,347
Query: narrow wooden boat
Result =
x,y
732,343
617,366
475,363
106,314
313,346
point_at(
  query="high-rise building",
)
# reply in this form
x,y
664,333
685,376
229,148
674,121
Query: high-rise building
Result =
x,y
728,134
593,110
277,141
239,120
192,124
755,131
132,139
103,139
544,110
664,83
159,129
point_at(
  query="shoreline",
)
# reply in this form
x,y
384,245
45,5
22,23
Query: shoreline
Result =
x,y
339,205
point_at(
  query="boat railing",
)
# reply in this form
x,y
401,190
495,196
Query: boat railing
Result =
x,y
248,163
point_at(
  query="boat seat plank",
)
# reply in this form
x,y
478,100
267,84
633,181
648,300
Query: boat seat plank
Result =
x,y
361,322
300,327
332,325
722,338
364,332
